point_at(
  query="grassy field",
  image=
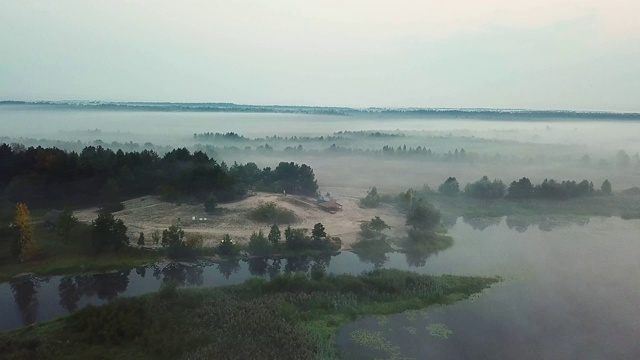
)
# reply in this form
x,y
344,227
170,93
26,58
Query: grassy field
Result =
x,y
288,317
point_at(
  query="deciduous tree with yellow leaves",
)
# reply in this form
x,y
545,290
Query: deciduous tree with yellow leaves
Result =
x,y
23,243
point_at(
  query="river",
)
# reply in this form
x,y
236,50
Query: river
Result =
x,y
570,291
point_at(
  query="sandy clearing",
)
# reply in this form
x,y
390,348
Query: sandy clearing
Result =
x,y
149,213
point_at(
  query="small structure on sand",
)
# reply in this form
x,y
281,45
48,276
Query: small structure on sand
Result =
x,y
331,206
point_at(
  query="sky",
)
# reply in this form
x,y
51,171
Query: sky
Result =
x,y
526,54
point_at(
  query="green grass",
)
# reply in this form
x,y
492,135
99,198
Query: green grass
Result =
x,y
288,317
78,264
54,256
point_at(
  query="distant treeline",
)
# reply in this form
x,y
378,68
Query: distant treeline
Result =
x,y
494,114
294,144
49,176
523,189
339,136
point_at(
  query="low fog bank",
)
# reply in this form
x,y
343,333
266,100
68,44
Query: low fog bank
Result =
x,y
177,128
390,153
397,175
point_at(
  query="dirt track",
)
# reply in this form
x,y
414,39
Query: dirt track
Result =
x,y
148,213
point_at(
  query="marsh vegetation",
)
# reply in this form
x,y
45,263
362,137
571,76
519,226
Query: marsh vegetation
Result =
x,y
289,316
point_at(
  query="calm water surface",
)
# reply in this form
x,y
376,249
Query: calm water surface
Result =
x,y
571,291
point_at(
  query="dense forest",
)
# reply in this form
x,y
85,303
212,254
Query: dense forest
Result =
x,y
44,177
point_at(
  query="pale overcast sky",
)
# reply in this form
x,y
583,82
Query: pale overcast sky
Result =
x,y
536,54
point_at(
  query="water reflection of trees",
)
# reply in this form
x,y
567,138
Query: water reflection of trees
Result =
x,y
305,263
274,268
418,246
180,273
25,294
183,274
228,268
265,266
449,221
297,264
69,294
522,223
373,251
481,223
258,266
105,286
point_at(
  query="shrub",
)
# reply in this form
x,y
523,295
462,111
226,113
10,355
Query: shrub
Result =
x,y
372,200
108,233
227,246
141,239
258,244
274,235
485,189
450,187
117,324
373,228
155,237
270,213
423,216
296,238
172,236
194,240
211,205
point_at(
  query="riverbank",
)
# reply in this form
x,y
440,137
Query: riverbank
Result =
x,y
74,264
290,316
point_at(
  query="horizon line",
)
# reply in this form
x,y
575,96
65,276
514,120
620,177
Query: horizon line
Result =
x,y
369,109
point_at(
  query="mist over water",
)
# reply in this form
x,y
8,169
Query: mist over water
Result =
x,y
569,293
570,288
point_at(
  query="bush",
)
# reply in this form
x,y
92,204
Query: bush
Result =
x,y
194,240
372,200
423,216
373,228
270,213
450,187
211,205
108,233
117,324
155,237
486,189
141,239
296,239
227,246
258,244
172,236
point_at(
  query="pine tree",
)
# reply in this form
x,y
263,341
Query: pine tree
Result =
x,y
141,239
274,235
23,246
606,187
